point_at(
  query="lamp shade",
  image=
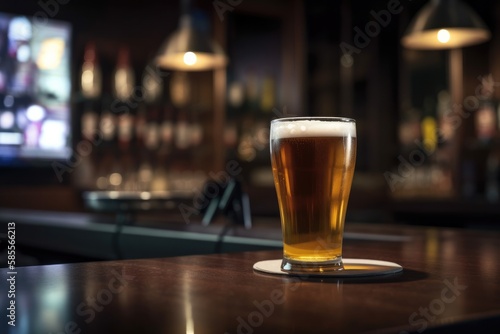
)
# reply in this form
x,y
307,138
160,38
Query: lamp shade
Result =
x,y
188,49
445,24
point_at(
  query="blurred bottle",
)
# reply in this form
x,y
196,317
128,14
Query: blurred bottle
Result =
x,y
152,84
126,165
167,129
148,154
160,181
125,130
109,152
196,133
268,95
89,122
152,129
236,95
429,126
485,121
123,76
107,124
123,87
182,131
91,119
85,173
445,120
252,91
122,175
485,116
91,77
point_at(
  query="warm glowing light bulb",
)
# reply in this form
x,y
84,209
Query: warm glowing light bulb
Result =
x,y
190,58
443,36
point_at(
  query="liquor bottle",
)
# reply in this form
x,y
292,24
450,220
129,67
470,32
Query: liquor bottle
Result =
x,y
151,141
125,132
84,176
123,76
445,119
91,77
485,121
152,129
152,84
159,156
107,124
167,129
144,172
429,126
236,94
159,180
182,135
89,122
108,152
123,82
268,95
195,133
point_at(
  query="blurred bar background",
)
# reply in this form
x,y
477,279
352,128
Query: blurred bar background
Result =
x,y
87,111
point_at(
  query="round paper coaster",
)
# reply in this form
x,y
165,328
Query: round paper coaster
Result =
x,y
352,268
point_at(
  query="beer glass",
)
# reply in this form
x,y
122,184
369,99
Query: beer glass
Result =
x,y
313,161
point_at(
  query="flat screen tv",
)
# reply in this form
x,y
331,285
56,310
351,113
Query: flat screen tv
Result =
x,y
35,90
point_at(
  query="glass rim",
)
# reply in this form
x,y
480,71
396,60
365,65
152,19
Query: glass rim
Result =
x,y
315,118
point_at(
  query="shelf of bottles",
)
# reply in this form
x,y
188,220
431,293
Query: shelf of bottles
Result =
x,y
425,164
251,105
481,150
142,134
449,153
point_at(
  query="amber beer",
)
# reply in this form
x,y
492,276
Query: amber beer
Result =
x,y
313,165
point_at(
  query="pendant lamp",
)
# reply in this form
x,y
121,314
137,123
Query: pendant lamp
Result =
x,y
445,24
188,48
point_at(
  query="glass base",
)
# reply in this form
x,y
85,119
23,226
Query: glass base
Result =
x,y
300,267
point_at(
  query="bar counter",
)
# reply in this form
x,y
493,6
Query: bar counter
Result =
x,y
450,283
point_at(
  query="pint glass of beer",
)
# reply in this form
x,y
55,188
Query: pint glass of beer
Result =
x,y
313,162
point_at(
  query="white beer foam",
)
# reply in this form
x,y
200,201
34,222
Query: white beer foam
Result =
x,y
312,128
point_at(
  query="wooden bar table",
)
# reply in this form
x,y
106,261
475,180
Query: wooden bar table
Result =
x,y
450,283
